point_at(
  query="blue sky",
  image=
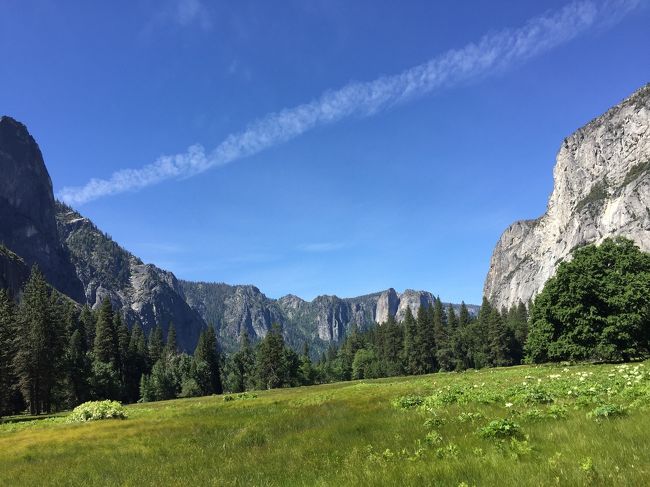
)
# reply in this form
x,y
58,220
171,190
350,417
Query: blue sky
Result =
x,y
379,179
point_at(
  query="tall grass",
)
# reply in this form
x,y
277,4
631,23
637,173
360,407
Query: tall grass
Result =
x,y
360,433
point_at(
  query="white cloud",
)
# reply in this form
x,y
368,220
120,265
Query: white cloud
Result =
x,y
321,247
493,53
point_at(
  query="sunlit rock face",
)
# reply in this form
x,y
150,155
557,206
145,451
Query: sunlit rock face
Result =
x,y
601,189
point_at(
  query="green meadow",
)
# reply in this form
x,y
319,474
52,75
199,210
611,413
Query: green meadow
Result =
x,y
543,425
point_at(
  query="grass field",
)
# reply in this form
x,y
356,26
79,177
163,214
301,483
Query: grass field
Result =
x,y
582,425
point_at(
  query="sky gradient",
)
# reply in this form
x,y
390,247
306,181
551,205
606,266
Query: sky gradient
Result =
x,y
334,147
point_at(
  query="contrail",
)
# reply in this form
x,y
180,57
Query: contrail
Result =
x,y
492,54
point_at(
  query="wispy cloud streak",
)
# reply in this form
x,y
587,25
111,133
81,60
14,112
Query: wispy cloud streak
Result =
x,y
492,54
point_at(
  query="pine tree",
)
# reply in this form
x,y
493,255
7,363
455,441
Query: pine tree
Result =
x,y
136,363
240,366
207,353
391,347
499,340
271,361
156,344
444,354
306,369
124,358
106,339
410,353
79,368
517,322
171,347
426,341
454,338
87,320
479,348
7,329
39,344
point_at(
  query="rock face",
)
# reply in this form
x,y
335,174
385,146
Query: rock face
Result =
x,y
27,213
87,265
143,292
325,320
387,305
13,271
601,189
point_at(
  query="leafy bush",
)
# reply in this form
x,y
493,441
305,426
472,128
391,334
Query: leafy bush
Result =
x,y
537,395
606,411
239,397
500,428
434,422
408,402
556,412
433,438
469,417
94,410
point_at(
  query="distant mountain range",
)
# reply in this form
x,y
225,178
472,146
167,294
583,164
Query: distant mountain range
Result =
x,y
84,263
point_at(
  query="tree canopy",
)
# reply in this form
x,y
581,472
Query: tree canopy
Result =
x,y
596,307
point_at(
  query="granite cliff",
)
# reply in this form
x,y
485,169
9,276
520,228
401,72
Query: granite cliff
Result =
x,y
601,189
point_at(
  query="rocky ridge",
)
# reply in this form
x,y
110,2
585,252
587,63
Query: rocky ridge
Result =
x,y
86,264
601,189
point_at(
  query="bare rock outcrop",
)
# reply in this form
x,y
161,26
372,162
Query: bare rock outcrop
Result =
x,y
601,189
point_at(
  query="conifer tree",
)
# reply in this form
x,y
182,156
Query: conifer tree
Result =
x,y
87,320
156,344
426,341
207,353
171,347
271,360
499,340
480,336
7,330
240,366
39,344
455,338
137,362
410,354
79,369
444,354
306,369
106,340
392,346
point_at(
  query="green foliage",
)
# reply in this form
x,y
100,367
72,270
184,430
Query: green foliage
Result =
x,y
596,195
597,306
207,353
7,352
239,397
365,365
271,364
499,429
106,340
39,343
408,402
351,434
607,411
96,410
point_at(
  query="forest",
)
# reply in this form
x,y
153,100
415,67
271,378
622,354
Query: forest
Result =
x,y
55,354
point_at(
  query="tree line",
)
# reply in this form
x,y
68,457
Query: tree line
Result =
x,y
55,355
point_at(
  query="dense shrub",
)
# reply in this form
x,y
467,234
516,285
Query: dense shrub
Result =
x,y
94,410
500,428
408,402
